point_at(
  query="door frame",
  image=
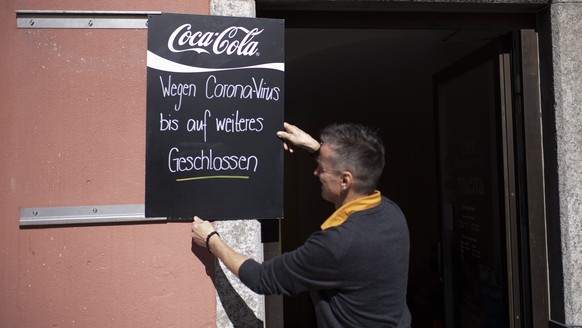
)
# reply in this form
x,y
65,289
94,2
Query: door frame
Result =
x,y
528,95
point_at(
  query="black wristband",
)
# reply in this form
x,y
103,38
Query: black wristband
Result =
x,y
208,238
316,153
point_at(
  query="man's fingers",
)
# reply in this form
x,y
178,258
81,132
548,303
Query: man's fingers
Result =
x,y
287,147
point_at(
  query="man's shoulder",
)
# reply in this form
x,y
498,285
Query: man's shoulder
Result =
x,y
386,204
386,214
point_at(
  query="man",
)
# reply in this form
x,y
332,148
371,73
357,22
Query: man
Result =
x,y
356,267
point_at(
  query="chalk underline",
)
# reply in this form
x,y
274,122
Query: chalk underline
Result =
x,y
214,177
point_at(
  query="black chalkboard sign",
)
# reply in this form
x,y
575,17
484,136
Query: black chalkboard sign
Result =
x,y
214,105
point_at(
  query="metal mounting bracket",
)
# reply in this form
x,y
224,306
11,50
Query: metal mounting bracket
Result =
x,y
70,215
82,19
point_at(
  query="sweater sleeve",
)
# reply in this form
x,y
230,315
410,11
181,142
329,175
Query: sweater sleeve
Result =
x,y
248,271
314,265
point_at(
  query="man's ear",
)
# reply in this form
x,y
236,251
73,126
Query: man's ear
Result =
x,y
346,180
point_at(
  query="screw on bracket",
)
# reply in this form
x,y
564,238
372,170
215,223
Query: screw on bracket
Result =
x,y
90,23
31,22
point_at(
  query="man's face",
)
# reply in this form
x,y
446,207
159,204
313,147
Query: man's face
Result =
x,y
330,179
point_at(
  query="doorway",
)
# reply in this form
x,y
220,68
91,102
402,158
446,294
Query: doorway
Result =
x,y
381,77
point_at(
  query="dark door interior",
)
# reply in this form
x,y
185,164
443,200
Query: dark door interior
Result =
x,y
382,77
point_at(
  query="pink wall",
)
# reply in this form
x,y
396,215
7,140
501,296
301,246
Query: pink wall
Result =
x,y
72,133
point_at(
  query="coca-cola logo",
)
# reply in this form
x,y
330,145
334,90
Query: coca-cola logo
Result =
x,y
233,40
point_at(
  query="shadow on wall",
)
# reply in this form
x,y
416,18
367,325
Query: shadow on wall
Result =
x,y
238,312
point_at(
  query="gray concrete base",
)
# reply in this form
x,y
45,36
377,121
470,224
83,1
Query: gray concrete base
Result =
x,y
567,53
235,303
240,8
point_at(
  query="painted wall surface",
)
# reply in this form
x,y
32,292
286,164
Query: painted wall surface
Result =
x,y
72,131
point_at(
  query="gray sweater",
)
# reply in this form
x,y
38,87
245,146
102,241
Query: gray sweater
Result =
x,y
356,272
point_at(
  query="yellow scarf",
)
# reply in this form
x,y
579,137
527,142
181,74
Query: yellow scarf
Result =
x,y
341,214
